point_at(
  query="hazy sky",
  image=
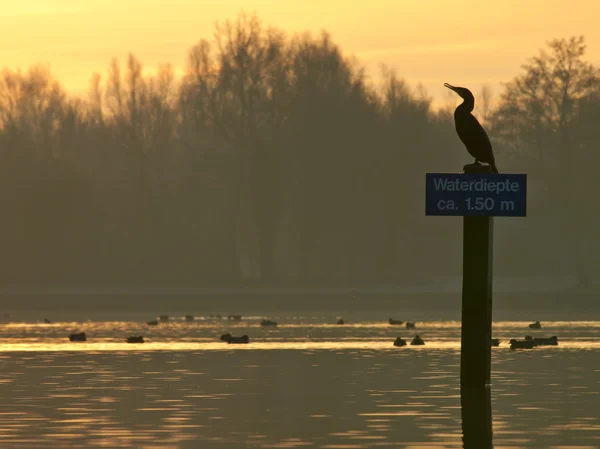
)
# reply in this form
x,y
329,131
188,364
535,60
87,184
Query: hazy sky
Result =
x,y
429,41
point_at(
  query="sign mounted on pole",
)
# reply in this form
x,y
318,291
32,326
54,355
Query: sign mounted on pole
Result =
x,y
476,194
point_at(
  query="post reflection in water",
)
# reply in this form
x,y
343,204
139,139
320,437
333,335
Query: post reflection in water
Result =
x,y
476,411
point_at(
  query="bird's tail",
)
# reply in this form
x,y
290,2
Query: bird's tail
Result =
x,y
494,169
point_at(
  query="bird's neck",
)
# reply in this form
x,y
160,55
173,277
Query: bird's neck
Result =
x,y
466,106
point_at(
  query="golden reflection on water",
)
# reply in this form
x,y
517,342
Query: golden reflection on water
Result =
x,y
212,346
335,387
178,335
111,346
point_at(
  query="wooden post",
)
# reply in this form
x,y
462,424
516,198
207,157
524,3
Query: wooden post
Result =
x,y
476,330
476,412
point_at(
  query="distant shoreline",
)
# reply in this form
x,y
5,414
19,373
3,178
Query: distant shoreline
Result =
x,y
351,303
516,285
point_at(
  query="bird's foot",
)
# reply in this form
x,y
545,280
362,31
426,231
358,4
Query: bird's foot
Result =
x,y
476,167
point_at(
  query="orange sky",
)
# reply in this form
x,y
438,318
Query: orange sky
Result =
x,y
429,41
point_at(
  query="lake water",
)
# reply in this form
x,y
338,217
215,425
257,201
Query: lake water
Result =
x,y
305,383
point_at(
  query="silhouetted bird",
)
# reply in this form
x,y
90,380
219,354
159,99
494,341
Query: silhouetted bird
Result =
x,y
226,337
470,131
135,339
78,337
523,344
239,340
418,341
552,341
541,341
235,340
399,342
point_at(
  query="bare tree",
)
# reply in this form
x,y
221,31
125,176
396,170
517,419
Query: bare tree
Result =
x,y
539,110
275,159
538,106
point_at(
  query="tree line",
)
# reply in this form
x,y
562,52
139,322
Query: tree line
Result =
x,y
275,160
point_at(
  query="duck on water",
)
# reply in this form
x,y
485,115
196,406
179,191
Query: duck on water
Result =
x,y
235,340
541,341
417,341
135,339
400,342
522,344
78,337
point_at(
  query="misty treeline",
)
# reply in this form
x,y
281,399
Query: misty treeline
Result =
x,y
274,159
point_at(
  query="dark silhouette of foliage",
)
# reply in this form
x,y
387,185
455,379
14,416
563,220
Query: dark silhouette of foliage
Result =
x,y
273,160
543,116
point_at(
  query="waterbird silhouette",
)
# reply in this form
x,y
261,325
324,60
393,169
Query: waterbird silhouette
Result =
x,y
418,341
552,341
542,341
226,337
470,131
235,340
399,342
239,340
135,339
523,344
78,337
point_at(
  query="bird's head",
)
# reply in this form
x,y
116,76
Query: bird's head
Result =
x,y
464,93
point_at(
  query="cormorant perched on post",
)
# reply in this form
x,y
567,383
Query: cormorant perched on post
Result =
x,y
470,131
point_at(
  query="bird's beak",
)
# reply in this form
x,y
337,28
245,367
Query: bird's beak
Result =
x,y
449,86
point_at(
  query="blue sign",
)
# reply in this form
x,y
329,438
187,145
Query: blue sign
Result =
x,y
472,194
